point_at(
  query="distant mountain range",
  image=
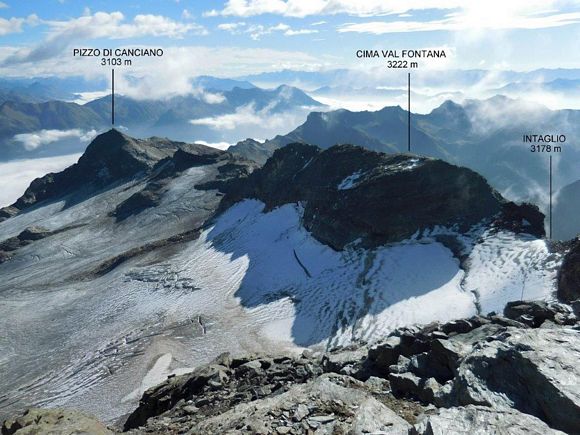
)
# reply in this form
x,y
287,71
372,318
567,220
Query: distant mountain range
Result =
x,y
192,117
43,89
460,79
483,135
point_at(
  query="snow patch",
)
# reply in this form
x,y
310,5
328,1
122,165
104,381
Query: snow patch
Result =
x,y
350,181
345,296
508,267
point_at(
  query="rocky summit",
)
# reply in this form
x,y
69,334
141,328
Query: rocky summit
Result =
x,y
111,158
351,193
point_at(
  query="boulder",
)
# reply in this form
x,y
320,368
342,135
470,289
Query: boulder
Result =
x,y
535,313
385,354
405,384
532,370
352,362
480,420
54,422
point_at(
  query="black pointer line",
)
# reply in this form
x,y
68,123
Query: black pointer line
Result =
x,y
550,197
409,112
113,97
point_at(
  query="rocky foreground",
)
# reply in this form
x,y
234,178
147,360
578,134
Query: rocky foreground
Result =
x,y
514,373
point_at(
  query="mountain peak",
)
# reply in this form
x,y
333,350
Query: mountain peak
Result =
x,y
351,193
111,138
110,147
113,132
112,156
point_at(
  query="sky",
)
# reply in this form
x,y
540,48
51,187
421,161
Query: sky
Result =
x,y
239,37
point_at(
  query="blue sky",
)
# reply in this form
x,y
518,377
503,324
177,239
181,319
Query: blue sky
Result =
x,y
237,37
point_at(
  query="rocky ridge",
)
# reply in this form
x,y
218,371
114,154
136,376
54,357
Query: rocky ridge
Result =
x,y
498,370
351,193
495,374
112,158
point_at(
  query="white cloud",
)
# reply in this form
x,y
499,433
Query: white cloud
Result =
x,y
3,5
256,31
457,23
291,32
303,8
113,26
34,140
86,97
475,16
149,78
14,25
248,116
62,34
458,14
233,28
208,97
245,115
15,176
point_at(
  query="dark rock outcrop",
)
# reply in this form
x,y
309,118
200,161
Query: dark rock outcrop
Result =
x,y
229,167
522,218
26,237
535,313
223,384
350,193
569,275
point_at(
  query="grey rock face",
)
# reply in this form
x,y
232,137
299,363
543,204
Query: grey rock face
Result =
x,y
533,370
326,405
253,150
499,364
224,384
480,420
54,422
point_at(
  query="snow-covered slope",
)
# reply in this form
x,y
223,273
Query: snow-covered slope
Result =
x,y
252,281
78,334
333,297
